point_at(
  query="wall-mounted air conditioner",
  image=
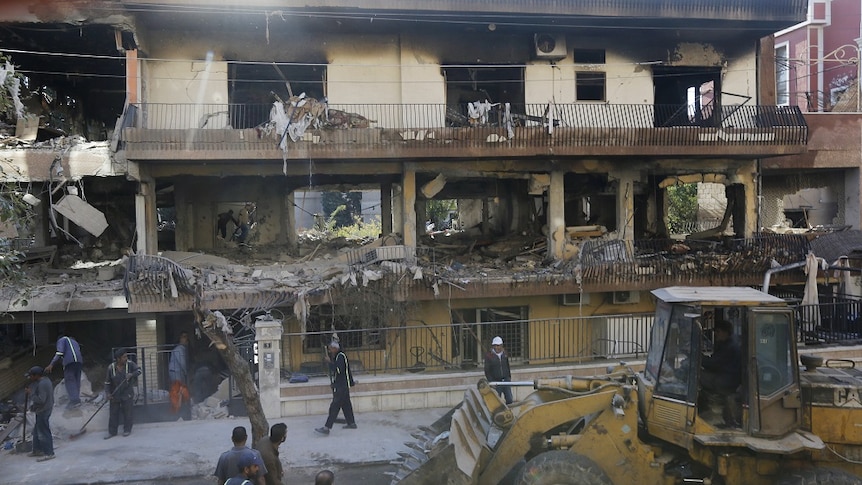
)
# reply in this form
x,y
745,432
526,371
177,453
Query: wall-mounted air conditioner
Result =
x,y
574,299
626,297
550,46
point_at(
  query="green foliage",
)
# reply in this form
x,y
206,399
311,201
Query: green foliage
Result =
x,y
681,207
438,210
7,102
360,230
342,208
14,212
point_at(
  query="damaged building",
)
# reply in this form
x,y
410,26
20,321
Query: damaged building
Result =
x,y
558,149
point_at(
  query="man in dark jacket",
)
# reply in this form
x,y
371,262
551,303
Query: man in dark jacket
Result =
x,y
722,372
41,396
69,353
120,383
268,448
497,368
342,381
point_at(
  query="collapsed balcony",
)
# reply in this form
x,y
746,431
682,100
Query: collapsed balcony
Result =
x,y
155,131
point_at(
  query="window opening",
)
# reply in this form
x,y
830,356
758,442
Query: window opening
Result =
x,y
253,87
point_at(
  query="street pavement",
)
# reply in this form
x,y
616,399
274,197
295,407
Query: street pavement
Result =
x,y
186,452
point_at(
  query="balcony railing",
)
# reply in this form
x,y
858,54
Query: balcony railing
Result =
x,y
664,262
623,127
539,342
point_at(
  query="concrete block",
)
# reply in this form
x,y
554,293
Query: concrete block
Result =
x,y
81,213
212,402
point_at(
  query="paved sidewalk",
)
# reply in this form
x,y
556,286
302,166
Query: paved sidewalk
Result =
x,y
187,449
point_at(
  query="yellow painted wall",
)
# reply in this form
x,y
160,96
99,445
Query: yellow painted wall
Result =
x,y
197,83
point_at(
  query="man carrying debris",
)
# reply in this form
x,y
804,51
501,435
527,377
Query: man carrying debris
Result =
x,y
41,395
221,223
120,385
69,353
244,220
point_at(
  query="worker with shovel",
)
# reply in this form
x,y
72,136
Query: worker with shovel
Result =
x,y
41,395
120,385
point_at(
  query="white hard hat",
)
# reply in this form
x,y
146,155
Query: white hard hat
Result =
x,y
497,341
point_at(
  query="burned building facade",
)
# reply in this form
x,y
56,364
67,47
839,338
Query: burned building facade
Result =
x,y
556,133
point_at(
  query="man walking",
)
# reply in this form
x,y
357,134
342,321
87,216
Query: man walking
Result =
x,y
120,385
178,372
342,381
228,462
497,368
268,448
249,464
69,353
41,395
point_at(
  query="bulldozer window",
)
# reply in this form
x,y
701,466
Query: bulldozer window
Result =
x,y
678,363
773,347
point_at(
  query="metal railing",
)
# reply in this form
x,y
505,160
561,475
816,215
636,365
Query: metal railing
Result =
x,y
462,346
667,261
581,124
830,322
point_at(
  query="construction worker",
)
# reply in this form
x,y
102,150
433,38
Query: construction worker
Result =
x,y
120,385
69,353
41,396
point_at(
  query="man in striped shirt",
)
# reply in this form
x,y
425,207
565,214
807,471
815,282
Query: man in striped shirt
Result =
x,y
69,353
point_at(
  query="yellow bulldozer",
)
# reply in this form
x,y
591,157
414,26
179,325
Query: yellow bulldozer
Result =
x,y
669,424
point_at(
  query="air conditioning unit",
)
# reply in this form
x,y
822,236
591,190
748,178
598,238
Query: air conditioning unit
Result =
x,y
550,46
574,299
626,297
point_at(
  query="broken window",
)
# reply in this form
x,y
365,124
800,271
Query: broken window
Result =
x,y
590,84
254,87
478,94
686,96
354,331
782,75
475,327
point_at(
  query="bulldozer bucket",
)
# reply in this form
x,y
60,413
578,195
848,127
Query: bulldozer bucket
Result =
x,y
433,458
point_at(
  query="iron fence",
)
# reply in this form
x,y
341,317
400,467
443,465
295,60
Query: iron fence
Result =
x,y
830,322
582,124
462,346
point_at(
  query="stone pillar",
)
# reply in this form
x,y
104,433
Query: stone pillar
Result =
x,y
852,198
386,208
408,198
268,331
556,216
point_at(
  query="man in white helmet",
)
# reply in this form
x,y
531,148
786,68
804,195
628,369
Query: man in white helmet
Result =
x,y
497,368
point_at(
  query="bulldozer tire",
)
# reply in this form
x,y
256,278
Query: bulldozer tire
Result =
x,y
818,476
562,468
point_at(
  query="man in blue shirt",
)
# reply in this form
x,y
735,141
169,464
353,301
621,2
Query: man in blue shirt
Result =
x,y
69,353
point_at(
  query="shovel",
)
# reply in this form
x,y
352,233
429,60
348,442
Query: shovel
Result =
x,y
25,446
106,401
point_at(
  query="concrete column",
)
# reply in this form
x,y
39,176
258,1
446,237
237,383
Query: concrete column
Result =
x,y
397,208
146,219
625,204
386,208
556,216
747,177
268,339
852,199
288,222
408,208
